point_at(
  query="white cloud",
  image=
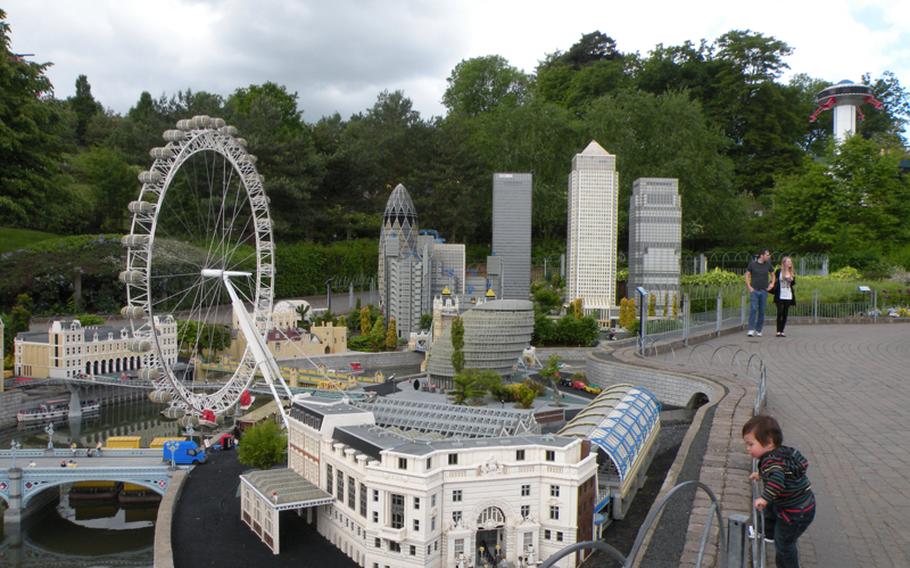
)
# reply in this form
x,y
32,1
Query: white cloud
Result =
x,y
340,55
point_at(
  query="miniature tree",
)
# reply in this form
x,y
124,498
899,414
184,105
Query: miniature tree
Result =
x,y
364,320
377,335
391,336
666,305
263,446
675,305
652,305
457,344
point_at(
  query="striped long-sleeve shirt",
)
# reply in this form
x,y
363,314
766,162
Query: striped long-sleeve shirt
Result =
x,y
783,471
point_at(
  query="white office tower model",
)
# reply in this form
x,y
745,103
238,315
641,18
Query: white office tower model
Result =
x,y
593,224
655,236
512,233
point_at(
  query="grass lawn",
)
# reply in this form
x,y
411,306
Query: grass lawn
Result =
x,y
13,239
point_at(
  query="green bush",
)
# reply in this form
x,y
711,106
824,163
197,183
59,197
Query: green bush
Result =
x,y
262,446
713,278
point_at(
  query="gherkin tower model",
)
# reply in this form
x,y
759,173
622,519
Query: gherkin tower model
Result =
x,y
398,234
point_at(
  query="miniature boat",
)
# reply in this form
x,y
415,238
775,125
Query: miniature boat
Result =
x,y
55,410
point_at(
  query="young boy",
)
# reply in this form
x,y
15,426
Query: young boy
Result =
x,y
787,499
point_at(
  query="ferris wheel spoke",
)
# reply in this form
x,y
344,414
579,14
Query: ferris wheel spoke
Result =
x,y
216,253
183,294
230,254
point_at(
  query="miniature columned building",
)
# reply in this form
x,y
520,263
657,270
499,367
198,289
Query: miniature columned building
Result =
x,y
386,498
592,230
69,350
655,239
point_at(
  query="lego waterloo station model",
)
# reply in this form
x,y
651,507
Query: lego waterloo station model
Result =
x,y
395,482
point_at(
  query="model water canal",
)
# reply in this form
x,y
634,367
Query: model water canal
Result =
x,y
90,533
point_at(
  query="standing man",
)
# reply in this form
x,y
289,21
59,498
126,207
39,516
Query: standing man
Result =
x,y
759,280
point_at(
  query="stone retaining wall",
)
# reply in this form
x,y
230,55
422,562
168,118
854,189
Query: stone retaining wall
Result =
x,y
11,402
164,553
606,368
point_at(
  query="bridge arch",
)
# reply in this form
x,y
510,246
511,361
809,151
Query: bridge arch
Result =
x,y
159,484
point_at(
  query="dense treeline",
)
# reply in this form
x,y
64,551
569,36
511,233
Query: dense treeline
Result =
x,y
715,115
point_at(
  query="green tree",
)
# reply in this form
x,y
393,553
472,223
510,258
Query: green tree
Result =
x,y
652,305
112,184
267,116
426,321
85,106
31,145
668,135
20,318
377,334
263,446
547,298
391,336
467,387
203,338
364,320
457,332
481,84
854,206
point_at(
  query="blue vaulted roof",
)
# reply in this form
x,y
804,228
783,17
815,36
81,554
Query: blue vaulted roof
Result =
x,y
619,421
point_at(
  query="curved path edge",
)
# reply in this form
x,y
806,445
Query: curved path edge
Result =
x,y
164,552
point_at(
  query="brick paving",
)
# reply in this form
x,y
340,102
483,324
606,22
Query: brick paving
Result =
x,y
842,395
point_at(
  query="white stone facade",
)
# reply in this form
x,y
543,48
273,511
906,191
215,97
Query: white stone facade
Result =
x,y
593,225
422,504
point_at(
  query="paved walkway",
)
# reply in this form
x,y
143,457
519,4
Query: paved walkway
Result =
x,y
842,395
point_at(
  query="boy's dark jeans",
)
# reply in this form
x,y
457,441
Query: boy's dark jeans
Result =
x,y
786,527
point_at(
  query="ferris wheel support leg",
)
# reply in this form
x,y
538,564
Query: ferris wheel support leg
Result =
x,y
255,342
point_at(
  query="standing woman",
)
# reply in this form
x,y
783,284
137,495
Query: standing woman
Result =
x,y
784,296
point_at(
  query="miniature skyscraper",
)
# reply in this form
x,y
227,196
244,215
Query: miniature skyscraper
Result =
x,y
845,98
655,236
512,233
400,266
593,225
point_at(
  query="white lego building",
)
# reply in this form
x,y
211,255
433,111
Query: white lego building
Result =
x,y
68,350
396,502
593,223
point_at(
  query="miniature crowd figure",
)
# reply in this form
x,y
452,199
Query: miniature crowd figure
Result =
x,y
760,280
786,500
784,296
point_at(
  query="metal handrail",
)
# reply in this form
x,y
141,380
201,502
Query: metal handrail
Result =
x,y
646,527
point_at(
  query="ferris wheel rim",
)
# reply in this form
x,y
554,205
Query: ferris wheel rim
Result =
x,y
167,161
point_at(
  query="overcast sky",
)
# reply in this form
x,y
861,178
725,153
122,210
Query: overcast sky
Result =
x,y
339,54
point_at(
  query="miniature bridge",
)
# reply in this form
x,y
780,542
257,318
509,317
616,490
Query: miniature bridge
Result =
x,y
27,473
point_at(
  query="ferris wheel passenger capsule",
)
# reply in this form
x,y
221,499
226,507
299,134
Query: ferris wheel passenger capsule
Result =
x,y
134,241
144,207
132,312
185,124
132,277
174,135
161,153
202,121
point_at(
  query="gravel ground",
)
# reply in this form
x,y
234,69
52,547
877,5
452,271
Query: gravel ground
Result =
x,y
207,530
